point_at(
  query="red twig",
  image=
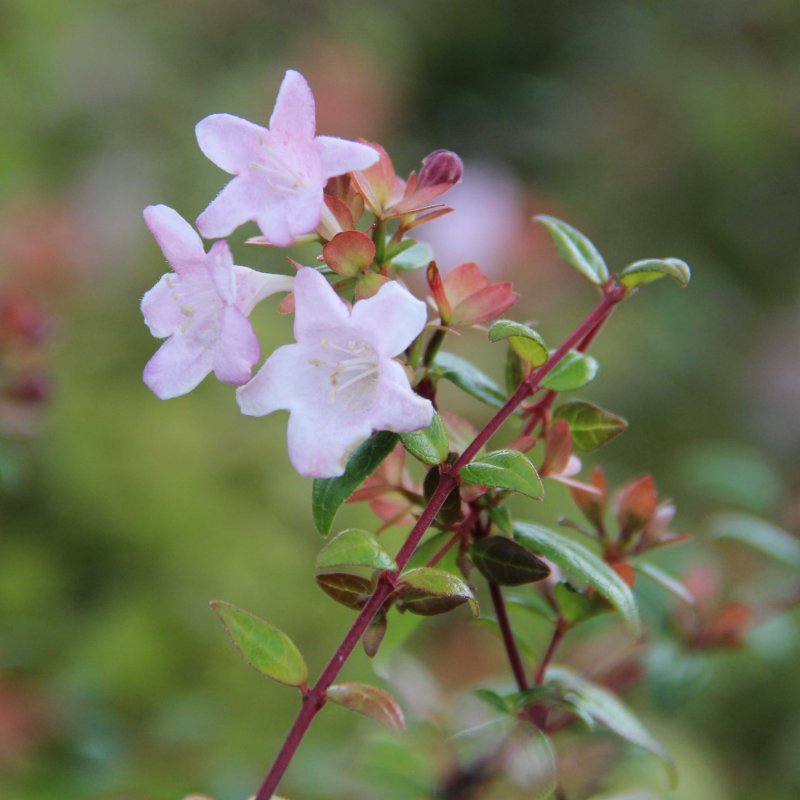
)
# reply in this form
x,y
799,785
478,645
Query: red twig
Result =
x,y
512,651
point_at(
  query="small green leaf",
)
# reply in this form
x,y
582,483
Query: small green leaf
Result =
x,y
354,548
608,710
584,564
430,445
428,591
501,516
416,256
262,645
469,379
505,469
573,371
575,249
373,635
552,696
533,604
513,372
651,269
575,606
762,535
506,563
370,701
591,426
495,700
665,579
527,342
328,494
345,588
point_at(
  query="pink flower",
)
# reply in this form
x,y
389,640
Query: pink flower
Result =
x,y
280,171
202,307
340,381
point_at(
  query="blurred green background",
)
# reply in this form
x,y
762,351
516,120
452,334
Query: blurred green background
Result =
x,y
658,128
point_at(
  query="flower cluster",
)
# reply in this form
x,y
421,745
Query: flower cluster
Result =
x,y
341,380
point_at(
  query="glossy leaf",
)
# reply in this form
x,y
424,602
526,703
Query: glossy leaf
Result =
x,y
262,645
354,548
666,580
505,469
370,701
469,379
590,425
328,494
652,269
527,342
761,535
573,371
430,445
609,711
417,256
349,253
428,591
575,249
577,559
505,562
345,588
374,634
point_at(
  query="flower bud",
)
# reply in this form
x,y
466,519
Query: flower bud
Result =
x,y
440,168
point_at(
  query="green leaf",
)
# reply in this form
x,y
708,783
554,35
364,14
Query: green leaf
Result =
x,y
416,256
527,343
501,516
495,700
665,579
652,269
533,604
551,696
575,606
575,249
430,445
468,378
506,563
591,426
584,564
354,548
513,372
608,710
573,371
345,588
758,533
262,645
428,591
370,701
505,469
328,494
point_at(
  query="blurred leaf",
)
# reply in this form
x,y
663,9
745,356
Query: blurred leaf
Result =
x,y
527,343
590,425
469,379
573,371
506,563
501,516
262,645
428,591
584,564
417,256
532,602
505,469
666,580
608,710
370,701
430,445
354,548
575,606
345,588
758,533
495,700
328,494
552,695
575,249
652,269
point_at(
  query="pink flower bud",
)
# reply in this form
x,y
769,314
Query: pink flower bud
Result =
x,y
441,168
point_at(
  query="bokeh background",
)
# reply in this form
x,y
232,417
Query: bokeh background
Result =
x,y
660,129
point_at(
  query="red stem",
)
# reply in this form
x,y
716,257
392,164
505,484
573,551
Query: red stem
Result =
x,y
315,698
558,634
512,651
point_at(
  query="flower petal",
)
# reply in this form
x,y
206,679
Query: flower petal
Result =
x,y
178,366
162,312
177,239
391,319
231,142
237,349
220,267
237,203
253,286
338,156
280,383
294,114
397,407
318,307
463,281
486,304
